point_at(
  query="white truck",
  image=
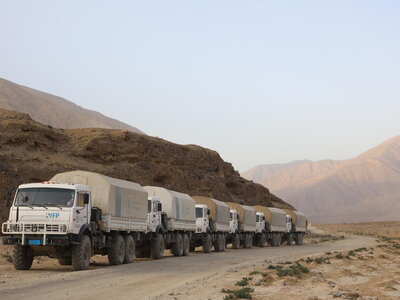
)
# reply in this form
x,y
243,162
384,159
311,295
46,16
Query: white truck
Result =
x,y
175,224
74,216
243,225
299,225
212,224
278,225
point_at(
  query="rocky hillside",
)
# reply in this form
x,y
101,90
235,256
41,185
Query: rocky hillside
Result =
x,y
366,188
32,152
52,110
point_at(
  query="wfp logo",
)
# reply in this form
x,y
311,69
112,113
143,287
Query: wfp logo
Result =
x,y
52,215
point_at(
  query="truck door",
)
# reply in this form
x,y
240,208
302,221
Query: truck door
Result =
x,y
82,209
205,218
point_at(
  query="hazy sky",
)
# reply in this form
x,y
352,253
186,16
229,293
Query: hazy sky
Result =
x,y
258,81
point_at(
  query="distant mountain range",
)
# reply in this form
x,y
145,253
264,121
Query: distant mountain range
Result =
x,y
365,188
52,110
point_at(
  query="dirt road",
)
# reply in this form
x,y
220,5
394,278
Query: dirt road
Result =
x,y
170,278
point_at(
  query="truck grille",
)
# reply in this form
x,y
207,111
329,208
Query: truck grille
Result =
x,y
33,228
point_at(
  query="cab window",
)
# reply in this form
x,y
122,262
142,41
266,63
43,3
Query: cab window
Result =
x,y
148,206
199,212
155,206
79,200
257,218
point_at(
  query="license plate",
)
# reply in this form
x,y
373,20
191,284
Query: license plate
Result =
x,y
34,242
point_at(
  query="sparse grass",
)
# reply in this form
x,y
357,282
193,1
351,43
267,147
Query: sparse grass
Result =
x,y
294,270
322,259
254,272
244,281
243,293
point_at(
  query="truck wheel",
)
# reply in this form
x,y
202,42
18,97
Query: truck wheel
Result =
x,y
223,242
129,249
186,245
261,240
299,239
65,261
246,241
207,243
289,239
81,254
236,241
218,243
278,239
177,247
250,241
274,242
157,246
116,253
22,257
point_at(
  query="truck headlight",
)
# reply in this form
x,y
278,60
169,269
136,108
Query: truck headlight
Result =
x,y
64,228
15,227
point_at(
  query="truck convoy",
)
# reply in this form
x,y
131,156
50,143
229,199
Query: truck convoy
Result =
x,y
79,214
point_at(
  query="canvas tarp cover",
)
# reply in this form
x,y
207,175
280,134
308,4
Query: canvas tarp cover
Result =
x,y
219,211
114,197
247,215
178,206
273,216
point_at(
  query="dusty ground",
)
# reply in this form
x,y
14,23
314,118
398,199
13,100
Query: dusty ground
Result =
x,y
199,276
362,273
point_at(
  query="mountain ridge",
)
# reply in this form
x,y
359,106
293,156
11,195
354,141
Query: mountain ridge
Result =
x,y
363,188
54,110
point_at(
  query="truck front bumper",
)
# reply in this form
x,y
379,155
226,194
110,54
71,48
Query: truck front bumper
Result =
x,y
40,240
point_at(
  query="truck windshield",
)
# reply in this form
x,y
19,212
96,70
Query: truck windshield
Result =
x,y
199,212
45,197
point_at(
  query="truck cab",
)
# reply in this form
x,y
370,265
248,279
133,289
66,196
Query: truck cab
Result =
x,y
47,214
234,222
154,218
260,222
202,220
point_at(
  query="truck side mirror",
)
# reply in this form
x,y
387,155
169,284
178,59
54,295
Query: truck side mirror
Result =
x,y
159,207
208,212
85,199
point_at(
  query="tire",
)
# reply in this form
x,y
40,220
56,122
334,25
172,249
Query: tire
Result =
x,y
250,241
261,240
177,247
298,239
246,241
129,249
157,246
274,242
278,239
81,254
186,245
65,261
207,243
289,239
116,253
218,243
223,242
236,241
22,257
